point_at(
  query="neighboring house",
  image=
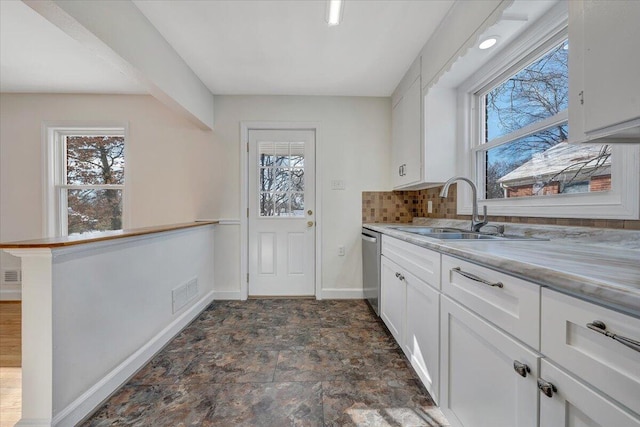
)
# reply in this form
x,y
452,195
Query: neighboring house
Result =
x,y
547,172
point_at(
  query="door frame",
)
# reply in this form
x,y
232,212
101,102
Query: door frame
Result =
x,y
245,127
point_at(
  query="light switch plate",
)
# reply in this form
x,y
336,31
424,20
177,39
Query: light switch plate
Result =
x,y
337,184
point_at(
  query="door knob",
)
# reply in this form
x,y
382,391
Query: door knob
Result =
x,y
309,212
309,223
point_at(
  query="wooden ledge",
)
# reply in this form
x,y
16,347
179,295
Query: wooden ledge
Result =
x,y
58,242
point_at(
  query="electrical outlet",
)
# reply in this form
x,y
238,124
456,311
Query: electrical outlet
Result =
x,y
340,250
429,206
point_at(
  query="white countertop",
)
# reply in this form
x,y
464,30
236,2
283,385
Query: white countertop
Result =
x,y
609,276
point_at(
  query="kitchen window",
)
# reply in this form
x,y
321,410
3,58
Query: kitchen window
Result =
x,y
516,149
86,171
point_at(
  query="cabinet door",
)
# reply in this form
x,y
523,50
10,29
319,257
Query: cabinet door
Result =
x,y
411,140
393,298
422,332
577,405
396,143
479,385
611,63
604,66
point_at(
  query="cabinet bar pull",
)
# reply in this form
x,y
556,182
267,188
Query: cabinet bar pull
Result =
x,y
476,278
521,368
546,387
601,328
399,276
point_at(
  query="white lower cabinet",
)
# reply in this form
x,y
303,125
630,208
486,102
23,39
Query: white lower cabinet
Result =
x,y
573,404
410,308
393,298
481,386
422,332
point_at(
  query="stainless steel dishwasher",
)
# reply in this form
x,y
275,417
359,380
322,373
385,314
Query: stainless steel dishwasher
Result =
x,y
371,251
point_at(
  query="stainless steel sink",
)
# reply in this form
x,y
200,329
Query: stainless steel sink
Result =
x,y
464,236
445,233
427,230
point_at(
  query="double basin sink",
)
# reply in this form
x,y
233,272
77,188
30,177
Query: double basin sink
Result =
x,y
444,233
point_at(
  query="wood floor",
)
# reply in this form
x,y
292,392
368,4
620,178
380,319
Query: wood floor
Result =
x,y
10,334
10,362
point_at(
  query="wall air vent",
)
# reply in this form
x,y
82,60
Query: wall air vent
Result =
x,y
10,276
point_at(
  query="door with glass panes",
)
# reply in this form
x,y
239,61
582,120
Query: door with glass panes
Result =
x,y
281,212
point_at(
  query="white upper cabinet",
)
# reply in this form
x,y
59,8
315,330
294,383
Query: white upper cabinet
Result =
x,y
423,133
604,65
406,127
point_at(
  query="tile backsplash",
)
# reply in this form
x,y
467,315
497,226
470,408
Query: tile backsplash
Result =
x,y
403,206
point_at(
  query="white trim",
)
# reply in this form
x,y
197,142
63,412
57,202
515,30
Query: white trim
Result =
x,y
227,295
33,423
51,222
230,222
245,126
622,202
347,293
10,294
84,405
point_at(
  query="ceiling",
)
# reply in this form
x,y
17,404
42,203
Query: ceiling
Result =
x,y
281,47
36,56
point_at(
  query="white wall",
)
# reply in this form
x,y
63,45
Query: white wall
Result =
x,y
353,145
168,157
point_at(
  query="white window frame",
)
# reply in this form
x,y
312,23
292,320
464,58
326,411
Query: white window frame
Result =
x,y
621,202
55,221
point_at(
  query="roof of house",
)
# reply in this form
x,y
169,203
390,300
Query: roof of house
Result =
x,y
561,159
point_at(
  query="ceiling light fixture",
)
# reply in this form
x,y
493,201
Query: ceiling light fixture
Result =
x,y
488,42
334,12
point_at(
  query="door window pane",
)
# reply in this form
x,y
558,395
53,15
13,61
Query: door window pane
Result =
x,y
281,179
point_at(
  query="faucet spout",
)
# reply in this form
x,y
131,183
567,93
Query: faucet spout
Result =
x,y
476,221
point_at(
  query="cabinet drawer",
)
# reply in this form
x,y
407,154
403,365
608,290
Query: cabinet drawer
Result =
x,y
597,359
514,305
421,262
576,404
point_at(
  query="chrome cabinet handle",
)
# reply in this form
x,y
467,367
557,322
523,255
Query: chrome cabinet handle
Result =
x,y
476,278
521,368
601,328
399,276
546,387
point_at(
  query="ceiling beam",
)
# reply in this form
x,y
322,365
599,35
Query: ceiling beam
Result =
x,y
118,32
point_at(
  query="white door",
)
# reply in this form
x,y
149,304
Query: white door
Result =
x,y
281,212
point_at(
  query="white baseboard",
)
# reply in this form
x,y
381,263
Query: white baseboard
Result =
x,y
226,295
33,423
10,295
348,293
89,400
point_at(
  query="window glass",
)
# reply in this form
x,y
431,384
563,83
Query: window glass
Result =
x,y
93,210
540,162
281,179
91,185
95,160
537,92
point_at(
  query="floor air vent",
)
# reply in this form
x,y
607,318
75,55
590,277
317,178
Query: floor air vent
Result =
x,y
10,276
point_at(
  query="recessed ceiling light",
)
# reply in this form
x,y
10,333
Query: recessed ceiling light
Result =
x,y
334,12
488,42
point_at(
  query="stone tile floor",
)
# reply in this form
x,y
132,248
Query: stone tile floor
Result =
x,y
276,362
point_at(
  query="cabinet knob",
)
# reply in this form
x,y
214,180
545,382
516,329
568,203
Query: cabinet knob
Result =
x,y
399,276
546,387
521,368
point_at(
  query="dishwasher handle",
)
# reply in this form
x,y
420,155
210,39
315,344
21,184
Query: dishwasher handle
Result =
x,y
369,239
